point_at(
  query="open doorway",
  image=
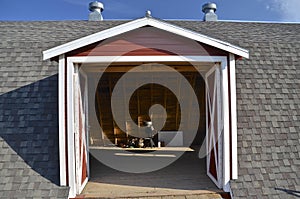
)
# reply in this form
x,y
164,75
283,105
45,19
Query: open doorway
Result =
x,y
192,169
105,130
140,103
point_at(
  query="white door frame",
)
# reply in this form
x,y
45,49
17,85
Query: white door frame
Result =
x,y
70,69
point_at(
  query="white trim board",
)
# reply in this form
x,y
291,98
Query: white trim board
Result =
x,y
226,130
114,59
233,103
62,123
71,129
138,23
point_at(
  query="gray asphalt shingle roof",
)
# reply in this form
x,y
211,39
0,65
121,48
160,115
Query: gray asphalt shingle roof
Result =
x,y
268,102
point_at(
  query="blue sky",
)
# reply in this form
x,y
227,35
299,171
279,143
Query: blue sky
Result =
x,y
246,10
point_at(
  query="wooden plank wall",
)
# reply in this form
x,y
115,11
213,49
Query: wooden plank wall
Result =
x,y
141,101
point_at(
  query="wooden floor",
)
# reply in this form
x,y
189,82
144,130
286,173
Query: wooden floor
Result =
x,y
185,176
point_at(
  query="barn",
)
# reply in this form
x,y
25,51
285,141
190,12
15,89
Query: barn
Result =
x,y
221,100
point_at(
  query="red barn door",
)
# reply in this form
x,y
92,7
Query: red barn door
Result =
x,y
214,126
81,149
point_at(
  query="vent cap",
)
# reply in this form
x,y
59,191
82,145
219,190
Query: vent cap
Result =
x,y
96,9
209,10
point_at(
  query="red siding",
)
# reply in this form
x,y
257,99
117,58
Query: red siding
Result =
x,y
147,41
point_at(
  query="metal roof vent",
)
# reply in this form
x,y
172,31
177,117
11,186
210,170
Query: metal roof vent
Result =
x,y
148,14
96,9
209,9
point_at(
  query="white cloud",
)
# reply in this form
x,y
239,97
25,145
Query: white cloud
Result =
x,y
289,10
